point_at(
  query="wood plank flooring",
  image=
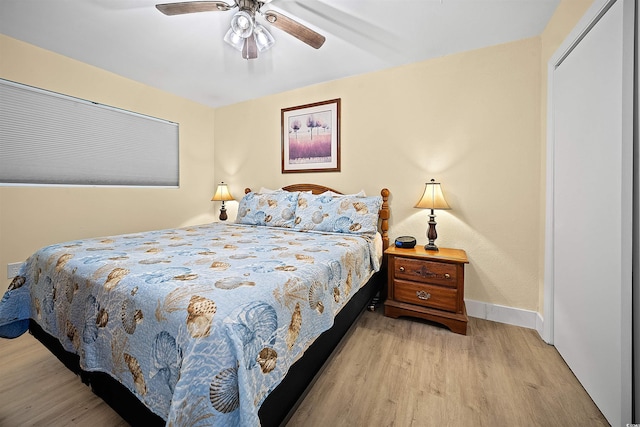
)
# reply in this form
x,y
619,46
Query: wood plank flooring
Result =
x,y
387,372
402,372
37,390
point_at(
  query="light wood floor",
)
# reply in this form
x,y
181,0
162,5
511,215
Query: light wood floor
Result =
x,y
387,372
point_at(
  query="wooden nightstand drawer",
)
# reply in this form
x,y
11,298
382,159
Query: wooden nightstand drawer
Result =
x,y
425,271
425,295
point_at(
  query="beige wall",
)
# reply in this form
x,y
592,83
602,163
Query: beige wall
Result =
x,y
469,120
31,217
475,121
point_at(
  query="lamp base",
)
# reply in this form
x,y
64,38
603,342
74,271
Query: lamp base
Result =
x,y
223,214
431,233
430,247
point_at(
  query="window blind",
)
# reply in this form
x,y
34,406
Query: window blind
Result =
x,y
52,139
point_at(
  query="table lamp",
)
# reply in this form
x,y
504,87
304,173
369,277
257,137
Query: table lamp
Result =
x,y
432,199
222,194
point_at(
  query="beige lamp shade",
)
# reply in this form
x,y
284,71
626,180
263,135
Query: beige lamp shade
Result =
x,y
432,197
222,193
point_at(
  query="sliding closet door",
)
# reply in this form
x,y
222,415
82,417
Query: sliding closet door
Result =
x,y
592,209
636,234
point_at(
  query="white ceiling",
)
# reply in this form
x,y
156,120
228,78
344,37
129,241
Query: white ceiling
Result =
x,y
186,55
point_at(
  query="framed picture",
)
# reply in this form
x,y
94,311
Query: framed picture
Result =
x,y
311,137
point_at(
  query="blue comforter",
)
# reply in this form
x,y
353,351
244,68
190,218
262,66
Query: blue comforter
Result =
x,y
200,323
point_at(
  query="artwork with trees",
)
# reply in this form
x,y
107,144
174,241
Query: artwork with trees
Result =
x,y
310,137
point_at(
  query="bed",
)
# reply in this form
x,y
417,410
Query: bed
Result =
x,y
217,324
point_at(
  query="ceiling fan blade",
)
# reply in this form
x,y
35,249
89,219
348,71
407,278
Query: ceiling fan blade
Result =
x,y
347,26
250,48
296,29
193,7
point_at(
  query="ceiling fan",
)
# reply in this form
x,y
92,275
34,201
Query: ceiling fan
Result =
x,y
245,34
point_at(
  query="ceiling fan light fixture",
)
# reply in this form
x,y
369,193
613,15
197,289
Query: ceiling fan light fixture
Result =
x,y
264,39
242,24
245,34
234,40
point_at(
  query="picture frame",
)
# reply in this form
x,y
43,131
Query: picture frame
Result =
x,y
311,137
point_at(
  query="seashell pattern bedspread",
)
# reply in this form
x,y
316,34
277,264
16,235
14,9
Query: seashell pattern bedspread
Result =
x,y
201,323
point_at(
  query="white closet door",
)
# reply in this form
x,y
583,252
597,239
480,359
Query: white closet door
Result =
x,y
636,239
593,215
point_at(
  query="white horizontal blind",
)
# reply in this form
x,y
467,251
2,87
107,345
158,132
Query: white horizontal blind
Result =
x,y
48,138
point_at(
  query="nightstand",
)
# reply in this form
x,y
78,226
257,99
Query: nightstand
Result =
x,y
428,285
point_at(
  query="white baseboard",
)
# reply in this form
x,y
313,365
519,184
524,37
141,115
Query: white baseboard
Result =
x,y
503,314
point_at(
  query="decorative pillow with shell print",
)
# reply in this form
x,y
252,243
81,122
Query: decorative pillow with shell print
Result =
x,y
275,209
353,215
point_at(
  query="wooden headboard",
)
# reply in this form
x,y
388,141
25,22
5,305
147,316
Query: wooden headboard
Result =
x,y
319,189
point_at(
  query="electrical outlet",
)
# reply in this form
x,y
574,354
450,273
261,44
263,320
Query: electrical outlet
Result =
x,y
13,269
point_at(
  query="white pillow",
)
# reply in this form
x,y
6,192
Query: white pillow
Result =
x,y
267,190
361,193
270,191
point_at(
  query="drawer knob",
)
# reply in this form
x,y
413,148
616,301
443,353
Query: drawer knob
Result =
x,y
447,276
423,295
401,268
